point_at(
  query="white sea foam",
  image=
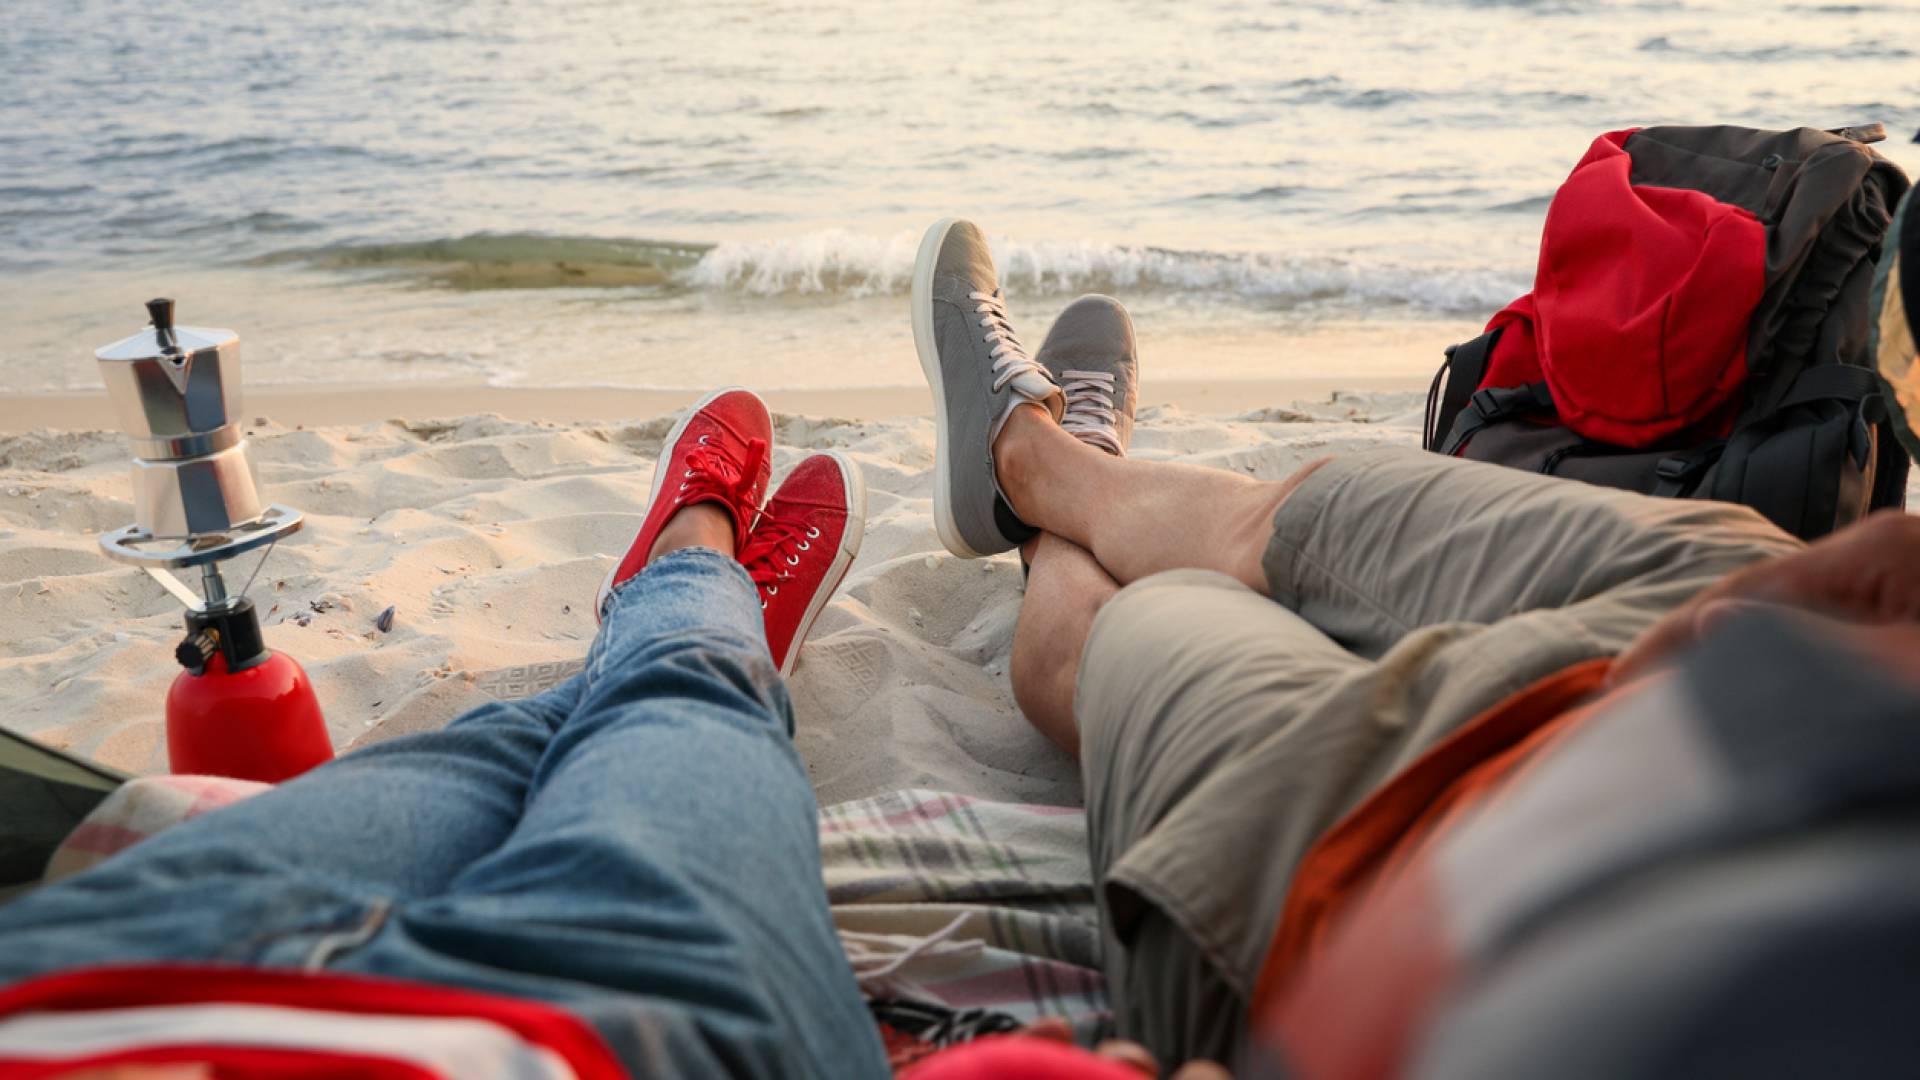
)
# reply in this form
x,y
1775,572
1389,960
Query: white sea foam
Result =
x,y
839,262
829,261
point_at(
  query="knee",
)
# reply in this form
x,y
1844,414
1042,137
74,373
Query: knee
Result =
x,y
1707,540
716,650
722,668
1139,600
1140,627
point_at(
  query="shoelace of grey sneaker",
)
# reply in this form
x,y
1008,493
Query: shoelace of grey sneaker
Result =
x,y
1010,359
1089,414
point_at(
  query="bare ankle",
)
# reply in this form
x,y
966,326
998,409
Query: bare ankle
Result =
x,y
1014,451
702,525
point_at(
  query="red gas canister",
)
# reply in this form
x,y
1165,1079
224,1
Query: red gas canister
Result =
x,y
256,719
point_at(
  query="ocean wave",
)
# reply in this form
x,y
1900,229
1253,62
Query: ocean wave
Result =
x,y
853,265
856,264
512,260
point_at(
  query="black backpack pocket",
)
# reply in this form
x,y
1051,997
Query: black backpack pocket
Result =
x,y
1809,468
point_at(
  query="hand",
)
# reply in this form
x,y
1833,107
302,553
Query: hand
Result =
x,y
1130,1054
1867,573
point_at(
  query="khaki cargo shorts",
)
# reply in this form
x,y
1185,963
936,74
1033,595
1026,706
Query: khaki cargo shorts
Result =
x,y
1222,732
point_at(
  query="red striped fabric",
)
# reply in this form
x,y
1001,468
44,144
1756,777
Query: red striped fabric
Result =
x,y
248,1022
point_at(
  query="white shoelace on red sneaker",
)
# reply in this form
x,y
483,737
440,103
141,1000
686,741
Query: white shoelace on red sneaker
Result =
x,y
774,550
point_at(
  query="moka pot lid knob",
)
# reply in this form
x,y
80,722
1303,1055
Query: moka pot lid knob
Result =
x,y
161,339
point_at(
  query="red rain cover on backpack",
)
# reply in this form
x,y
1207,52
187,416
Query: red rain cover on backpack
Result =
x,y
1638,320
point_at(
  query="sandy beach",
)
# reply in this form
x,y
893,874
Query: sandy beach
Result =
x,y
488,533
488,530
450,273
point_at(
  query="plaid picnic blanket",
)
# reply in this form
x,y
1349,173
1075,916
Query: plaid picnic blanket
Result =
x,y
967,905
960,916
136,810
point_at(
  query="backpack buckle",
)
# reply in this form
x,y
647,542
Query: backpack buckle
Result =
x,y
1500,402
1676,469
1677,475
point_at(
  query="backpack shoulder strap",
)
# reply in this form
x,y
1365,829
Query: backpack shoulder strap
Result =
x,y
1465,368
1832,382
1495,405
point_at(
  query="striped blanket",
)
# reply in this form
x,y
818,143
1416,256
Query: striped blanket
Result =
x,y
967,904
969,914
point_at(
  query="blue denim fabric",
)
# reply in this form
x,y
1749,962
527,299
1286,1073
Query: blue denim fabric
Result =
x,y
638,845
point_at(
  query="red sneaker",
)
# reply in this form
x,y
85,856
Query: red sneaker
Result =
x,y
800,551
716,453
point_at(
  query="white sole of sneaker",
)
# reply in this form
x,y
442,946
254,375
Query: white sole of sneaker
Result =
x,y
659,481
856,484
929,348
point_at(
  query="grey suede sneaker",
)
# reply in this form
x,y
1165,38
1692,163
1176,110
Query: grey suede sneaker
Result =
x,y
1090,353
979,373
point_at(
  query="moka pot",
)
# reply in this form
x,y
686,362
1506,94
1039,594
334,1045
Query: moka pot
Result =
x,y
239,709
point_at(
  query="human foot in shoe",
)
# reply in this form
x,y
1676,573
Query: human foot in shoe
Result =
x,y
980,373
716,454
798,554
1090,353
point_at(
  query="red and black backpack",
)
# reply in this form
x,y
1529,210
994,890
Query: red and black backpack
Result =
x,y
1698,328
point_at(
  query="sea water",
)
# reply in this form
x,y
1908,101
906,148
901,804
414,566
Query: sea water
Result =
x,y
619,192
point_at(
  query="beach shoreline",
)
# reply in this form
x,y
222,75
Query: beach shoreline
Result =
x,y
324,404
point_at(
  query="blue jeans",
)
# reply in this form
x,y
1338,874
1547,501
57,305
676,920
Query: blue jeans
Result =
x,y
638,846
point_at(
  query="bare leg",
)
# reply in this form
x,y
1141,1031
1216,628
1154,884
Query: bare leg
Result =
x,y
1137,517
1065,591
700,525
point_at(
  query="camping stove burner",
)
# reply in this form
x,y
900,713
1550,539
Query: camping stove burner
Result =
x,y
238,708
